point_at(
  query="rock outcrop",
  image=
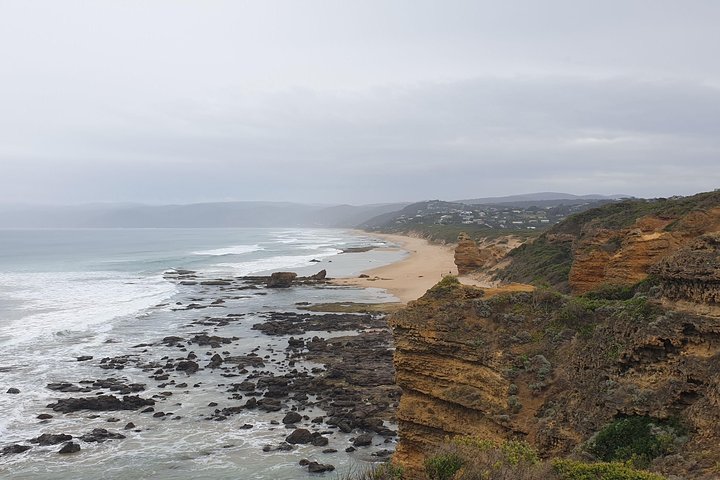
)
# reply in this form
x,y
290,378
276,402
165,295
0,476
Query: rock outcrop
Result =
x,y
468,257
553,370
693,273
281,279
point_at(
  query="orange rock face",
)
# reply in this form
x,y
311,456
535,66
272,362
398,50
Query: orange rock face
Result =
x,y
468,257
625,256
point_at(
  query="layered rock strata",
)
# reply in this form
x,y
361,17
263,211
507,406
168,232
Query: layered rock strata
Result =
x,y
546,369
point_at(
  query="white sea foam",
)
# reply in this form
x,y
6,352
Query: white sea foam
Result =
x,y
234,250
277,262
63,302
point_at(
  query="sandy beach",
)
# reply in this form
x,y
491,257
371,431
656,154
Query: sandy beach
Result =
x,y
425,265
412,276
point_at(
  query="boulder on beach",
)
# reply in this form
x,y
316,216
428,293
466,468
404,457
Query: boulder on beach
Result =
x,y
281,279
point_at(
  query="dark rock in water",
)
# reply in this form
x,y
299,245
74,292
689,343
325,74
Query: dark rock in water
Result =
x,y
70,447
281,279
213,341
296,342
64,387
170,341
283,447
104,403
50,439
329,450
187,366
13,390
363,440
99,435
129,426
304,462
44,416
300,436
84,358
350,449
291,417
315,467
246,426
269,405
320,275
218,283
319,440
16,448
215,361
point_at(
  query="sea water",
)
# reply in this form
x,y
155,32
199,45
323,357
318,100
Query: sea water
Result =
x,y
68,293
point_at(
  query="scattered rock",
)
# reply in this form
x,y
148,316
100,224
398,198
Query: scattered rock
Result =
x,y
281,279
16,448
363,440
50,439
315,467
100,403
70,447
291,418
300,436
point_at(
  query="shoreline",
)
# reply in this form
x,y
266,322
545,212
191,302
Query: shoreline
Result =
x,y
409,278
424,266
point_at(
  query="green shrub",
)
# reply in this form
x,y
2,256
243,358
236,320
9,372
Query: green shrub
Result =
x,y
572,470
637,439
611,291
443,466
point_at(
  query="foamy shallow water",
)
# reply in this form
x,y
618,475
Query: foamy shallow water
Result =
x,y
59,315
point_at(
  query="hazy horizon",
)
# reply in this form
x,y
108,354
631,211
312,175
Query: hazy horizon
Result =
x,y
355,102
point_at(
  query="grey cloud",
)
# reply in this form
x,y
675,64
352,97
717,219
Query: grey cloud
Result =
x,y
369,101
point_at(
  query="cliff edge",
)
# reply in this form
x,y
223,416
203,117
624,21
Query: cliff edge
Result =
x,y
639,347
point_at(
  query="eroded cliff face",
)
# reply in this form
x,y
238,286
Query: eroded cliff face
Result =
x,y
625,256
473,258
553,370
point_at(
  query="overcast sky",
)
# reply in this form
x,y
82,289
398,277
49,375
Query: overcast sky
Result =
x,y
356,101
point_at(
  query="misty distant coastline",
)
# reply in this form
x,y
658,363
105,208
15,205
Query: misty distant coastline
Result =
x,y
240,214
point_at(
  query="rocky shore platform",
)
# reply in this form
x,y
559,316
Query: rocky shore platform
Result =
x,y
319,382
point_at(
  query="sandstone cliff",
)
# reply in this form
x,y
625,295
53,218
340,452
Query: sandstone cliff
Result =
x,y
614,244
473,258
554,370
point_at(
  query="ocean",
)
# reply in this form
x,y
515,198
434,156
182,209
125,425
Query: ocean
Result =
x,y
65,294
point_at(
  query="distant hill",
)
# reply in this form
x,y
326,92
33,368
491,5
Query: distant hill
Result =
x,y
208,215
540,199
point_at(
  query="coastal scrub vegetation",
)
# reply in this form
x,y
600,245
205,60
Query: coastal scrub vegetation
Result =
x,y
471,458
636,439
